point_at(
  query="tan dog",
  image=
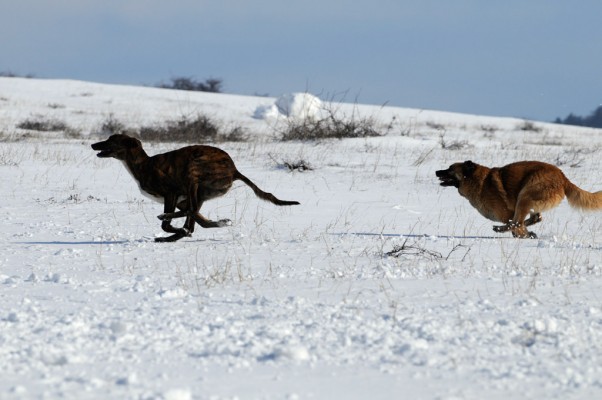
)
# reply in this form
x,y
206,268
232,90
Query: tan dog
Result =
x,y
511,193
182,178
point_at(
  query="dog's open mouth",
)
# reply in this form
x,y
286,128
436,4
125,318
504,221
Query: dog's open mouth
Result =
x,y
447,179
449,182
104,154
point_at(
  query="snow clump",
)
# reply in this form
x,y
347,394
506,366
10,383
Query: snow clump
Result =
x,y
292,105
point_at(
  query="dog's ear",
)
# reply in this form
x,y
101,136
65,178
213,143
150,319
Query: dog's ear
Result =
x,y
468,168
132,143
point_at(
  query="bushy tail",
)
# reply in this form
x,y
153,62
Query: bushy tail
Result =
x,y
582,199
263,195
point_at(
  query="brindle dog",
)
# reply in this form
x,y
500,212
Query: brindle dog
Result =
x,y
183,178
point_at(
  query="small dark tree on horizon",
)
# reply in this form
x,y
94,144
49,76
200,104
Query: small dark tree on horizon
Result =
x,y
213,85
11,74
594,120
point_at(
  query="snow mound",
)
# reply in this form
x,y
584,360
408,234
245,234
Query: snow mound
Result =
x,y
292,105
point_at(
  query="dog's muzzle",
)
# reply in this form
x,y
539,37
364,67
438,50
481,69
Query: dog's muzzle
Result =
x,y
447,178
101,147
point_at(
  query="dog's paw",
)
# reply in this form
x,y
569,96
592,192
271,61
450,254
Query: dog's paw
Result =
x,y
169,239
162,217
224,222
181,232
523,235
501,228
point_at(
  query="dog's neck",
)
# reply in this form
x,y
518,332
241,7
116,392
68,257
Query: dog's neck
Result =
x,y
476,181
134,162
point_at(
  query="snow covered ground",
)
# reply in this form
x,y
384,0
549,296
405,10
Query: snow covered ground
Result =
x,y
290,302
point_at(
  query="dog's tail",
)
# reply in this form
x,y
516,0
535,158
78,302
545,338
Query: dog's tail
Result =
x,y
582,199
261,194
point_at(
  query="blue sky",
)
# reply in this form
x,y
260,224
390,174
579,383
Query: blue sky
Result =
x,y
538,59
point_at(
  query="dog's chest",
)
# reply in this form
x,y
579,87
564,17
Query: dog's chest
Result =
x,y
482,202
147,192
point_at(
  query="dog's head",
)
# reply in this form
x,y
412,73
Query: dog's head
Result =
x,y
116,146
456,173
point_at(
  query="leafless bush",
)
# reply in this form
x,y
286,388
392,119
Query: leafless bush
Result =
x,y
414,250
573,157
454,144
329,127
182,130
43,125
435,125
199,129
299,165
40,124
111,126
186,130
529,126
489,129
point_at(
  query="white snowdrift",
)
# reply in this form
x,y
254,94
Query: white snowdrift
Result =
x,y
294,105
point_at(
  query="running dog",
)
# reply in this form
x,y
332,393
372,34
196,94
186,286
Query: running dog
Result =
x,y
511,193
183,178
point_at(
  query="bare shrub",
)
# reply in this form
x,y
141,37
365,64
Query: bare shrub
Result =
x,y
435,125
413,250
299,165
329,127
111,126
454,144
43,125
490,129
40,124
182,130
185,130
573,157
529,126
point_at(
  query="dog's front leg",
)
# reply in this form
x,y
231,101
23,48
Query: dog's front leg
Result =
x,y
502,228
178,233
519,230
172,215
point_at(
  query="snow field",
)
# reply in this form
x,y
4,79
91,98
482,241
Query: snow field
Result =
x,y
291,302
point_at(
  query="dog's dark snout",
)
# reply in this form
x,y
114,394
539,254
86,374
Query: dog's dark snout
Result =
x,y
98,146
441,173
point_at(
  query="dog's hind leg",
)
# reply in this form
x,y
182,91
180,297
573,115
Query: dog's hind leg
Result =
x,y
534,218
197,217
518,223
524,207
207,223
